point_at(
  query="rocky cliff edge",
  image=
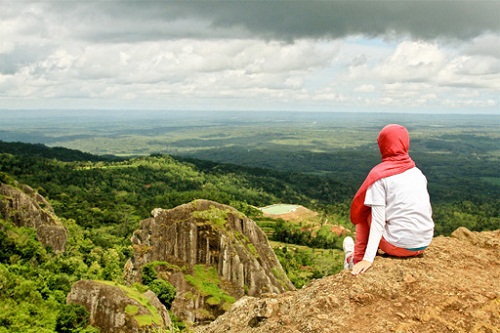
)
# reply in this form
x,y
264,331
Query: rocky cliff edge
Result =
x,y
454,287
27,208
192,241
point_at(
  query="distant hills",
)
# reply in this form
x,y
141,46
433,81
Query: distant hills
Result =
x,y
59,153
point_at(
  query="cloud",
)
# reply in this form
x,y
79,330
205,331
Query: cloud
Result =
x,y
119,21
171,61
337,19
365,88
486,45
14,57
250,54
420,74
412,61
182,67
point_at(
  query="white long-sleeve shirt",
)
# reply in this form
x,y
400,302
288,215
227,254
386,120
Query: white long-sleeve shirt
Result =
x,y
401,212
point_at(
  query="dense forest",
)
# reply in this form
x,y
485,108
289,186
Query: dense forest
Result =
x,y
101,200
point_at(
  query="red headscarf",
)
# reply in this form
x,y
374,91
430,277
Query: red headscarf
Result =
x,y
394,143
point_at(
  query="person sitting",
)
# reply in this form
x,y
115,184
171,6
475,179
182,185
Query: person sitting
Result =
x,y
392,209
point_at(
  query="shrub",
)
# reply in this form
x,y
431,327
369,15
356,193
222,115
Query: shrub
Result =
x,y
149,273
164,290
71,318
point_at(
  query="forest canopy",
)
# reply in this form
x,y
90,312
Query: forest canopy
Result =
x,y
101,201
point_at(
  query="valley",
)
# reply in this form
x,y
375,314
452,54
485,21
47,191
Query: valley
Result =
x,y
104,174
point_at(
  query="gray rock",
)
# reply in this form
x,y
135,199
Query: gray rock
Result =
x,y
212,235
115,308
26,208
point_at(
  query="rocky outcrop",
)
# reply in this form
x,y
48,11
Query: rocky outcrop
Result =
x,y
207,234
27,208
452,288
118,309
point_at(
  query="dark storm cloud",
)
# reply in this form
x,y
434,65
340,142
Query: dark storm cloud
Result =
x,y
281,20
421,19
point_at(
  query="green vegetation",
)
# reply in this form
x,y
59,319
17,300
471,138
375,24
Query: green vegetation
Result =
x,y
149,273
34,281
206,281
120,194
292,233
144,319
164,290
102,199
302,264
131,310
73,318
218,217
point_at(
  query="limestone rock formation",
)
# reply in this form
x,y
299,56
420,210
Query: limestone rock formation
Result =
x,y
27,208
452,288
207,234
118,309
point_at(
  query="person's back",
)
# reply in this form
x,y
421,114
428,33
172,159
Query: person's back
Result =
x,y
408,211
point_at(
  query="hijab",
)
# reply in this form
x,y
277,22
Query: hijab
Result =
x,y
393,142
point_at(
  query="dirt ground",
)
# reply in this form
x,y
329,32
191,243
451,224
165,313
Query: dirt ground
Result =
x,y
454,287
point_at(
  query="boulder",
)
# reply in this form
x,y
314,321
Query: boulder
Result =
x,y
119,309
214,236
27,208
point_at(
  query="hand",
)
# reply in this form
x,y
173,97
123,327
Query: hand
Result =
x,y
361,267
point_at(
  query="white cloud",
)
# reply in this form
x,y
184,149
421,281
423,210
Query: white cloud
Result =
x,y
478,65
173,54
472,72
485,44
212,66
412,61
365,88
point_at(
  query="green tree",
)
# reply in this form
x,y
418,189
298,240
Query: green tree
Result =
x,y
72,318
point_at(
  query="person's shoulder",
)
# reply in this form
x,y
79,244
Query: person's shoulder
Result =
x,y
409,174
414,175
416,171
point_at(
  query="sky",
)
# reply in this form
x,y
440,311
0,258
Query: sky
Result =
x,y
343,56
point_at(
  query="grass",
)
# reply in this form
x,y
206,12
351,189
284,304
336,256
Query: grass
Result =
x,y
279,208
215,215
206,281
142,319
131,310
243,239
